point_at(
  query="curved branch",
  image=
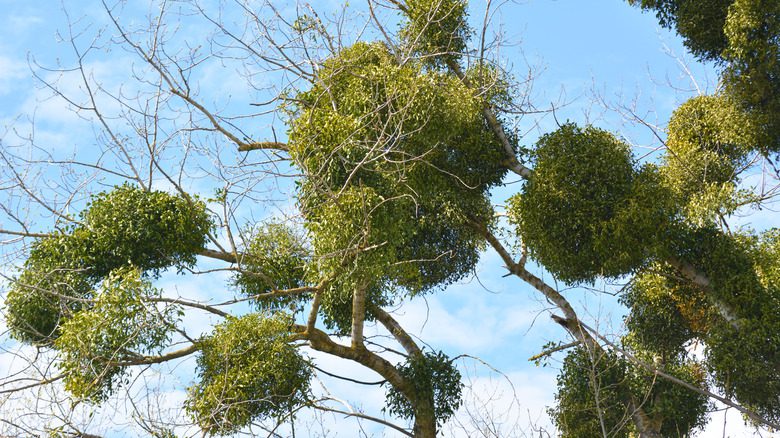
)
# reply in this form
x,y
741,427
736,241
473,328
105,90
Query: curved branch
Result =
x,y
396,330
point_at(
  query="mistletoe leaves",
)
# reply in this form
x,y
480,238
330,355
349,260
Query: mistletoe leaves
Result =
x,y
607,215
120,325
248,371
126,227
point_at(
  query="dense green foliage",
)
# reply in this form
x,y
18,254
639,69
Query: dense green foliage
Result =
x,y
275,258
609,215
664,314
50,288
124,227
593,388
708,146
248,371
743,36
398,161
742,355
591,394
432,375
152,230
752,75
699,22
436,30
398,151
120,325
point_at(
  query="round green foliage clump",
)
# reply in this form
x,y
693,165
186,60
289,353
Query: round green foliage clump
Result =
x,y
586,211
275,259
699,22
655,320
120,325
709,142
592,388
728,260
744,361
434,377
679,410
152,230
436,29
743,347
709,139
595,389
752,74
248,371
397,160
52,286
123,227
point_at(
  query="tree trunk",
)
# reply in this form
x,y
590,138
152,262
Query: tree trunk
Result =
x,y
424,421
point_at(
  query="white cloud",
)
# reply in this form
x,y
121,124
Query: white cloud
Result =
x,y
11,71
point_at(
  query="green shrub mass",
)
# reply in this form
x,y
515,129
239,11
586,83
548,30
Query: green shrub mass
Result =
x,y
436,30
125,227
699,22
398,160
120,325
752,74
431,374
275,258
248,371
587,210
593,388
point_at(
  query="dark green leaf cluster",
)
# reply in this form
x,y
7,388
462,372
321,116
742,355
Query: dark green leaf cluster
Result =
x,y
744,37
433,376
275,258
663,313
591,393
152,230
397,160
743,351
436,29
609,216
124,227
120,325
594,389
248,371
752,74
699,22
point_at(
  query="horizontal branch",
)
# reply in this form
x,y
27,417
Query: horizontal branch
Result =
x,y
550,351
25,234
219,255
150,360
272,145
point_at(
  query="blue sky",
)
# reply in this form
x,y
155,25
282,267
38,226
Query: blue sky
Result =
x,y
597,62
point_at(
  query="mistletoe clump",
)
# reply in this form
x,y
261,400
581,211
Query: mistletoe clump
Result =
x,y
743,350
248,371
121,325
752,74
700,23
275,258
53,285
710,139
595,388
436,29
398,163
586,211
664,314
125,227
433,376
152,230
